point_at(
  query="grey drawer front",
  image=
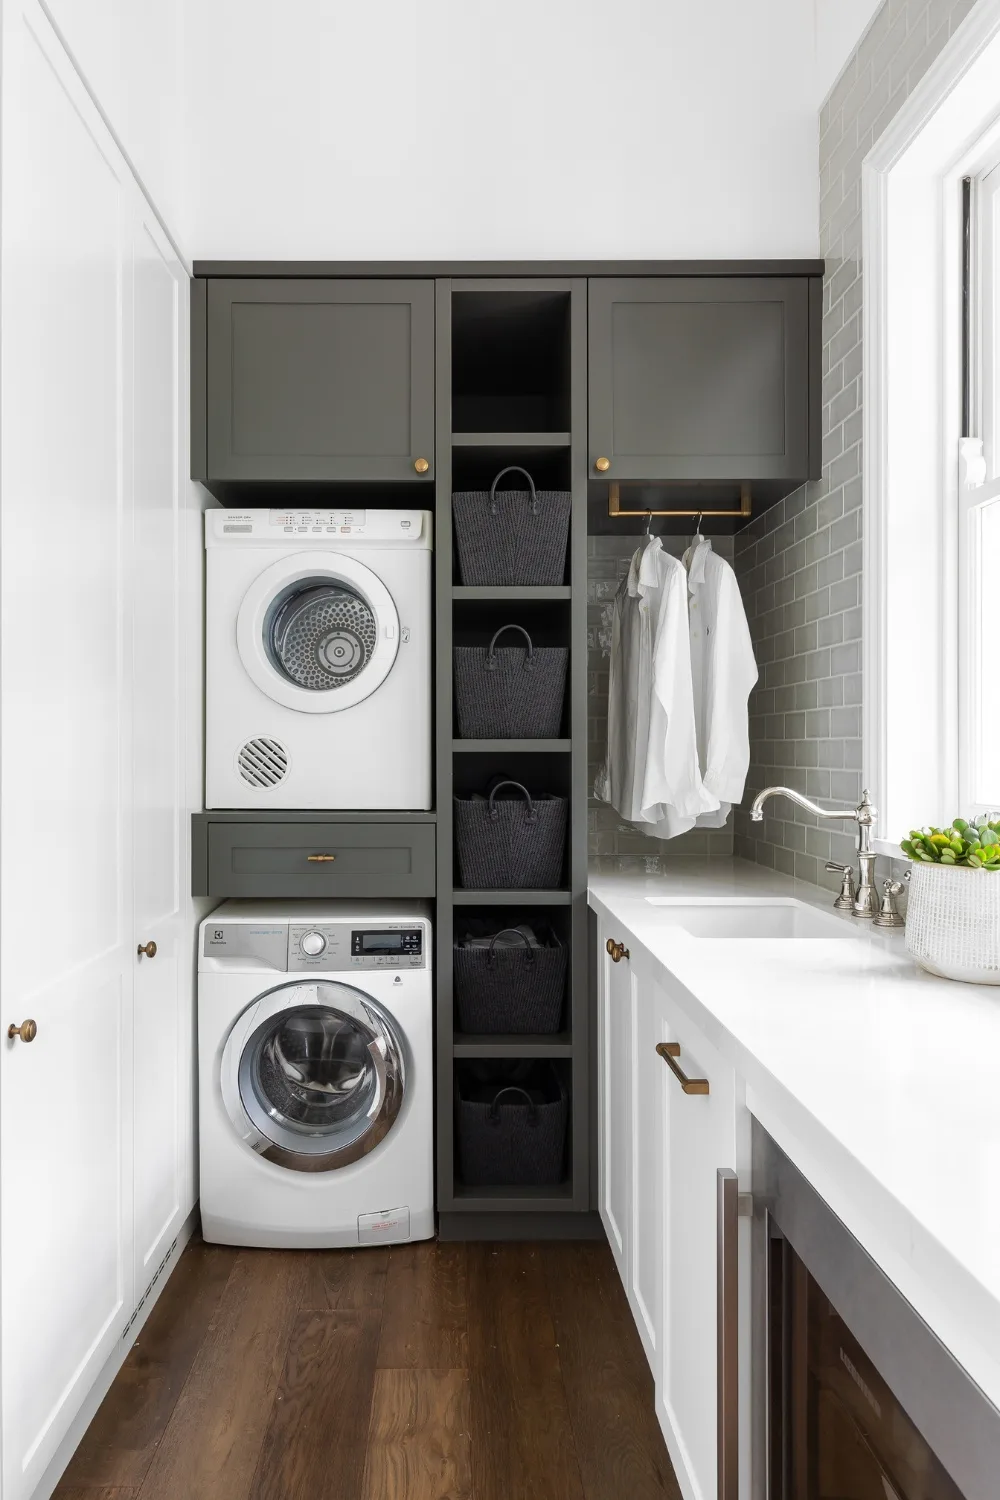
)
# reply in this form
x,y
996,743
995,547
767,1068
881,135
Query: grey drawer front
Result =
x,y
320,859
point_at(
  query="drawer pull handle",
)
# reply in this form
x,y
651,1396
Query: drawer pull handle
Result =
x,y
27,1031
146,950
668,1051
618,951
321,859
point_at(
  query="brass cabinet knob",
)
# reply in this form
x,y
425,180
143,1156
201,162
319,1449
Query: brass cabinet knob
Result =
x,y
27,1031
618,951
602,465
421,465
147,950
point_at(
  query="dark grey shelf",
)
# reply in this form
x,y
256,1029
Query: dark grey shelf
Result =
x,y
469,591
521,440
510,747
489,415
558,1198
559,1045
512,898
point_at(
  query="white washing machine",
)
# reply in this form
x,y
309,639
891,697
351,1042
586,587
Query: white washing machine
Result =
x,y
316,1073
318,659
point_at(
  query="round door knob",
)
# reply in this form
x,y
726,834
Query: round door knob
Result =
x,y
602,465
146,950
421,465
618,951
27,1031
312,944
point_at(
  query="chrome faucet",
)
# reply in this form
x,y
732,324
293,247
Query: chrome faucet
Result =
x,y
865,902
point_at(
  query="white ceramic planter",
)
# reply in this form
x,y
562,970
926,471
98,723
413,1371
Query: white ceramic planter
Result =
x,y
953,922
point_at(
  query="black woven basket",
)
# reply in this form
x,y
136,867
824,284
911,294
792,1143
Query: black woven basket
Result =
x,y
510,843
509,537
512,989
510,692
511,1132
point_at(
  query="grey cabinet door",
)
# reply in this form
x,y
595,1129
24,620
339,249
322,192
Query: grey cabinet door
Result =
x,y
320,380
699,378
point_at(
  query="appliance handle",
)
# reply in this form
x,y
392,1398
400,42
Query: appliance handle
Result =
x,y
727,1333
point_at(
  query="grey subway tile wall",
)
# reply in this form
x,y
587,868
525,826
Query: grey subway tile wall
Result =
x,y
613,843
800,564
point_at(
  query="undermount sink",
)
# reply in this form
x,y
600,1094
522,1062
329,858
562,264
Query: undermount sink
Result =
x,y
751,919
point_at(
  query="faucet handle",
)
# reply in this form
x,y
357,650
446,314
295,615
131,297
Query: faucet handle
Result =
x,y
888,915
845,901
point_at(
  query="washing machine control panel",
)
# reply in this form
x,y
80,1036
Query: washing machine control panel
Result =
x,y
335,946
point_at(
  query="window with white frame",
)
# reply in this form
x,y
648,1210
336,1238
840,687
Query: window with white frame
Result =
x,y
978,516
931,723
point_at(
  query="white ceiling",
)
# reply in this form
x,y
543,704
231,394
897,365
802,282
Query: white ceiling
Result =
x,y
543,128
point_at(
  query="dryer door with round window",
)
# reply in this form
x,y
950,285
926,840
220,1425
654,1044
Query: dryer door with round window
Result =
x,y
313,1075
318,632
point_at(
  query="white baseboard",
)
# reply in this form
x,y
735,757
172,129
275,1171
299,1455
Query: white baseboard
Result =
x,y
102,1384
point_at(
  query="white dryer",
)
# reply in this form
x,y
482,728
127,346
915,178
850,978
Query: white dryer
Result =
x,y
318,659
316,1074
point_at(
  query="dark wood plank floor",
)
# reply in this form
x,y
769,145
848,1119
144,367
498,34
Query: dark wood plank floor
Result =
x,y
425,1372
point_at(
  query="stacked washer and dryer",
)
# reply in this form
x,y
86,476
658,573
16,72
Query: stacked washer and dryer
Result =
x,y
315,1019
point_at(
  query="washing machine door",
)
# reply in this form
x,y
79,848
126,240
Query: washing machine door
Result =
x,y
313,1075
318,632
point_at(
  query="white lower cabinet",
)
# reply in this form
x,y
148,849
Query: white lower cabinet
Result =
x,y
614,1063
660,1151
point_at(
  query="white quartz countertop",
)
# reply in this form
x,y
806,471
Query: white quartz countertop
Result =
x,y
879,1081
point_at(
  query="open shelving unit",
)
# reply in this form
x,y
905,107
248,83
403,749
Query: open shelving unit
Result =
x,y
512,389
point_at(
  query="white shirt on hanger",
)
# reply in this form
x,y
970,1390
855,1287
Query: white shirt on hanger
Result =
x,y
651,775
723,671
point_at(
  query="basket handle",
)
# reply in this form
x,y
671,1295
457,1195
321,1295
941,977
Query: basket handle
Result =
x,y
491,654
512,1088
513,469
495,811
491,955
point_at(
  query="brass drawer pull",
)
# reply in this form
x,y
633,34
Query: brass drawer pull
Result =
x,y
27,1031
668,1051
321,859
618,951
147,950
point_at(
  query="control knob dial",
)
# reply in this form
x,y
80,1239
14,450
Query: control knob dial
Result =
x,y
312,944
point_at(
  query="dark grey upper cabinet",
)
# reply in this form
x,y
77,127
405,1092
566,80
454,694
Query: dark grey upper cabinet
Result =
x,y
319,380
700,378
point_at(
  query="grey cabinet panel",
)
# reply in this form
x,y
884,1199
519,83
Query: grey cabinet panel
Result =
x,y
700,378
277,859
320,380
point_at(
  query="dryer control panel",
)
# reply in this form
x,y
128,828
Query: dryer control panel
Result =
x,y
338,946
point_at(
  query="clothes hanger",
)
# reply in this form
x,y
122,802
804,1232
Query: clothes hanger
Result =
x,y
649,524
697,529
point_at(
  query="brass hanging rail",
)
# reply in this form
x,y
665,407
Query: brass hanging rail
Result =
x,y
614,506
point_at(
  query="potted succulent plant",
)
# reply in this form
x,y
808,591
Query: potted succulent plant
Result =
x,y
953,913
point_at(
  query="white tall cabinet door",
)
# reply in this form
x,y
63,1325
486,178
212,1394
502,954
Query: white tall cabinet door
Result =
x,y
700,1136
162,1010
614,1061
65,834
647,1152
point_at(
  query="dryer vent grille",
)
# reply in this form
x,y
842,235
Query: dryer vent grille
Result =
x,y
263,762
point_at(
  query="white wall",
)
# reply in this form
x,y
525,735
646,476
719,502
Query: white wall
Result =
x,y
840,25
534,129
130,54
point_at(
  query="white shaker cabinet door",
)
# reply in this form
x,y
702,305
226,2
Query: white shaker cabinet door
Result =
x,y
614,1063
162,983
65,871
700,1137
647,1153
